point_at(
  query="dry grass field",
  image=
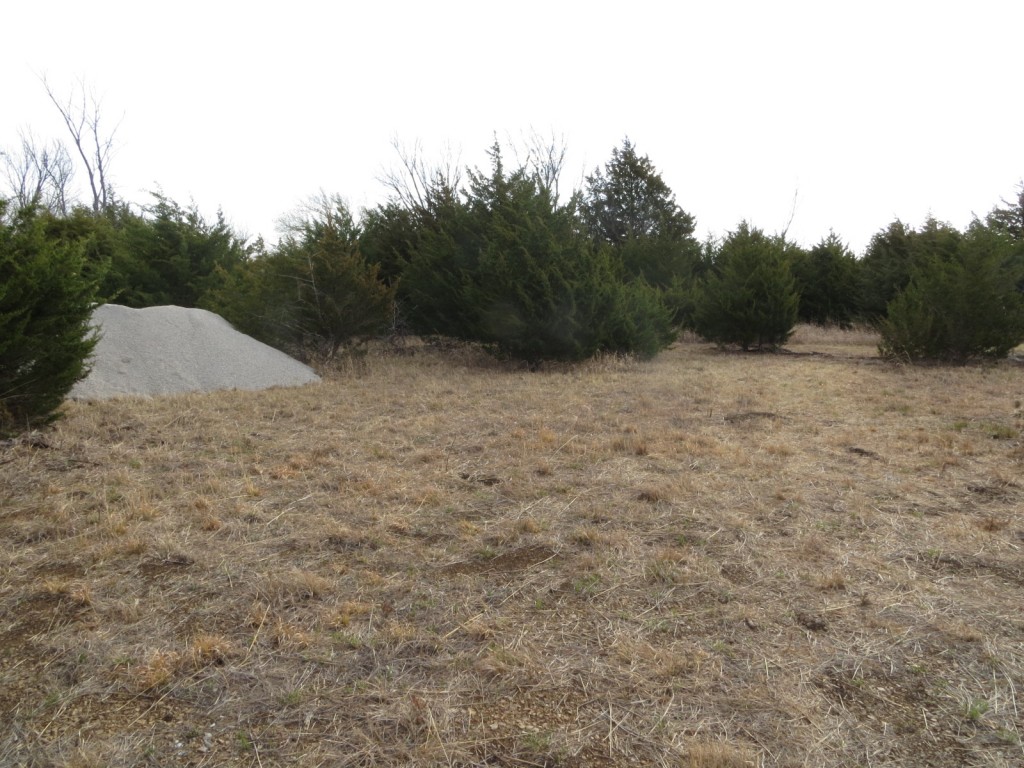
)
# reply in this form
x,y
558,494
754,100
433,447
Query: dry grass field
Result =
x,y
710,560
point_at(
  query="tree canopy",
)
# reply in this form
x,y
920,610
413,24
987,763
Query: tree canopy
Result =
x,y
629,199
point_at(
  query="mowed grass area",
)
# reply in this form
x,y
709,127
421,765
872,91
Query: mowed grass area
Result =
x,y
707,560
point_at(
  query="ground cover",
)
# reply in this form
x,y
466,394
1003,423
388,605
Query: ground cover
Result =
x,y
710,559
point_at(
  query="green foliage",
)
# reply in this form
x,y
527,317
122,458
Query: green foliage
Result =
x,y
508,267
958,305
670,266
629,207
169,255
1009,218
885,268
440,258
165,255
97,236
629,199
750,297
46,301
387,237
638,321
423,204
892,258
338,297
828,281
314,293
255,297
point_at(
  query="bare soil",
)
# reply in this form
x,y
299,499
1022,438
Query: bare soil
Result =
x,y
711,559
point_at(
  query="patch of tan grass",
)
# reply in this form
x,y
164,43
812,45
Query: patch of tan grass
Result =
x,y
709,559
858,340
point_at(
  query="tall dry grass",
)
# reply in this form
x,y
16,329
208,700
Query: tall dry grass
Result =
x,y
710,559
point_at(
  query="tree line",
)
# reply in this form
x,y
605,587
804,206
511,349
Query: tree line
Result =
x,y
498,256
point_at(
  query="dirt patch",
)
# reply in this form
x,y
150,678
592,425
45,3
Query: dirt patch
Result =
x,y
904,703
813,622
519,559
739,418
863,452
1012,573
42,613
157,567
60,570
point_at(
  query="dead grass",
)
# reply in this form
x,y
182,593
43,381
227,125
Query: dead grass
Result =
x,y
711,559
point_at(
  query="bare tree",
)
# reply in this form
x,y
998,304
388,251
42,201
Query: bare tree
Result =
x,y
40,174
543,158
320,212
792,215
82,118
420,187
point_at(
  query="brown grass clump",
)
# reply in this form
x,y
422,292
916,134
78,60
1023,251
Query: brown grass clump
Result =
x,y
707,560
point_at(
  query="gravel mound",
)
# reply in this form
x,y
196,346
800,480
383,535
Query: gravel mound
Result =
x,y
163,350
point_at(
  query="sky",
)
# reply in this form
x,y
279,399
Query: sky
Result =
x,y
811,116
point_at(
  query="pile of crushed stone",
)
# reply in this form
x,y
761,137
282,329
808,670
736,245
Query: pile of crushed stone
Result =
x,y
166,350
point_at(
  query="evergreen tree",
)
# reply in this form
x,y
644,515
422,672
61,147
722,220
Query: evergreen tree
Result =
x,y
387,237
424,201
750,297
46,302
885,268
636,320
1009,219
99,238
509,268
440,270
629,207
893,256
314,293
958,306
170,255
629,199
828,280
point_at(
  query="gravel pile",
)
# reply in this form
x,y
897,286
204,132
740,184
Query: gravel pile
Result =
x,y
164,350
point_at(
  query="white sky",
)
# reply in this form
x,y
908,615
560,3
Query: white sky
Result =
x,y
865,111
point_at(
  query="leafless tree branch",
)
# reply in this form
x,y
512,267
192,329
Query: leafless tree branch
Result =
x,y
792,214
543,158
94,147
39,174
420,187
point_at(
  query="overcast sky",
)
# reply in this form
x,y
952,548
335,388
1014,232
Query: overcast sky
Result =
x,y
844,116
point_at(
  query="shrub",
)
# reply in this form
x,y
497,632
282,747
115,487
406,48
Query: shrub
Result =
x,y
958,306
629,207
828,280
167,254
45,306
314,293
749,298
508,267
892,258
639,321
